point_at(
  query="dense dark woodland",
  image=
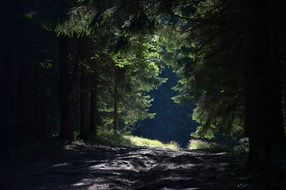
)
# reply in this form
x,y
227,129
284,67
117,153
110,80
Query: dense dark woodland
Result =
x,y
71,68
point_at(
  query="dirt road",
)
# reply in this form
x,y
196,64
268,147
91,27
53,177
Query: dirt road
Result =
x,y
103,167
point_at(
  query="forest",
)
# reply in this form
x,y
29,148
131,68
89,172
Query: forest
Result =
x,y
142,94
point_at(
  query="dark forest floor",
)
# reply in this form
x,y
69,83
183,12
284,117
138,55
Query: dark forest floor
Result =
x,y
94,167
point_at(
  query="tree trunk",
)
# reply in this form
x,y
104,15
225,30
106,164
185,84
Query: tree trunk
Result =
x,y
27,75
66,93
84,104
277,23
27,97
93,106
84,89
115,101
263,110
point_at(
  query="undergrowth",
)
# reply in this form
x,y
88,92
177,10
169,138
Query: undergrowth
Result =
x,y
240,148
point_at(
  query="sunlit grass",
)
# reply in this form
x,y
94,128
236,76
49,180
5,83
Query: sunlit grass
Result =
x,y
144,142
108,137
199,145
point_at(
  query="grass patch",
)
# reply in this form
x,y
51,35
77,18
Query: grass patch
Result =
x,y
199,145
108,137
144,142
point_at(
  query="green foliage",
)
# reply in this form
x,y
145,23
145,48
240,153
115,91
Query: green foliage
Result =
x,y
78,23
208,75
135,68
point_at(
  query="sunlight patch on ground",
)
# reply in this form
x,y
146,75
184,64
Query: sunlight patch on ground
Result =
x,y
82,182
143,142
61,165
108,137
198,145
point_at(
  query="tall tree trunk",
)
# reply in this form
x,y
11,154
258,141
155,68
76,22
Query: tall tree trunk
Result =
x,y
27,97
43,118
11,59
27,73
66,93
41,112
84,104
93,105
115,101
263,116
84,89
277,21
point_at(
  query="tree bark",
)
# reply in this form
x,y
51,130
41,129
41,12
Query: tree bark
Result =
x,y
93,105
277,23
115,101
263,110
66,93
84,104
